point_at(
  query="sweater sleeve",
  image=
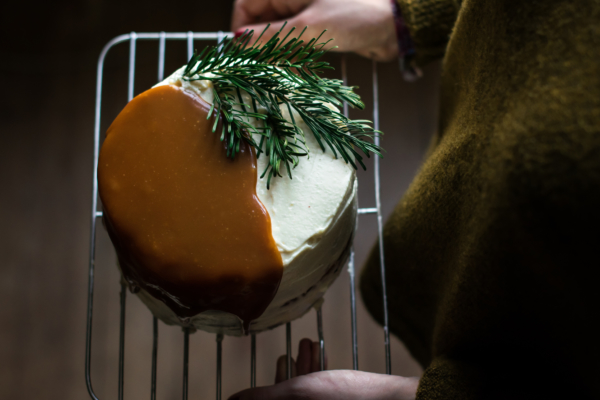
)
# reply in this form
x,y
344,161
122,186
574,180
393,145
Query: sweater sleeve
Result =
x,y
491,256
448,379
430,23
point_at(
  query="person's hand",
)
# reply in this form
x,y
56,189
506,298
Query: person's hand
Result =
x,y
336,385
365,27
329,385
308,361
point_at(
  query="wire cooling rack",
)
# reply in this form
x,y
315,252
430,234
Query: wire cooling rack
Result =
x,y
190,37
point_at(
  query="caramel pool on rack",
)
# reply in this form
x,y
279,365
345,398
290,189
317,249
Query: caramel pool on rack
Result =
x,y
185,220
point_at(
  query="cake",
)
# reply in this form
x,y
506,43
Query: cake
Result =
x,y
204,237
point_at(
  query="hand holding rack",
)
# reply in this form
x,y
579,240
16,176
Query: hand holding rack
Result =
x,y
190,37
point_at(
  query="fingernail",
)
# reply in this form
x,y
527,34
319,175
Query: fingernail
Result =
x,y
238,33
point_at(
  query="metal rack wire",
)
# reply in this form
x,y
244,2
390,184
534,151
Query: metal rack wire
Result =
x,y
190,37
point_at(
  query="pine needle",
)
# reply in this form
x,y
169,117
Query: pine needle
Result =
x,y
283,71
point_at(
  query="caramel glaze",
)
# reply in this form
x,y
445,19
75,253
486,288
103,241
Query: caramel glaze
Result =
x,y
185,220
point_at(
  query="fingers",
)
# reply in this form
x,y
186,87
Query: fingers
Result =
x,y
316,357
305,357
281,373
362,26
308,361
253,12
309,357
247,12
256,15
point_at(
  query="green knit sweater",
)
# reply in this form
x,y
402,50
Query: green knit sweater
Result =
x,y
493,254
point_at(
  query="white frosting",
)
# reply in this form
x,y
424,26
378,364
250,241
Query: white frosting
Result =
x,y
313,217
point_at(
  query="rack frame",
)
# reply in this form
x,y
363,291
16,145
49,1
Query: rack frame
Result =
x,y
190,37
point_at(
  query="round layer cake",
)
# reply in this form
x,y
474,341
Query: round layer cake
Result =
x,y
312,221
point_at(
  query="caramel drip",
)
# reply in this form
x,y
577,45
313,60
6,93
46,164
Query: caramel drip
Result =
x,y
185,220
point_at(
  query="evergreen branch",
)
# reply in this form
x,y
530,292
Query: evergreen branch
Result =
x,y
282,74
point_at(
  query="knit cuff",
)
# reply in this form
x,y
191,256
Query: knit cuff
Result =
x,y
406,47
447,379
430,23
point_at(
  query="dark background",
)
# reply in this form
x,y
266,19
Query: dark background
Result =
x,y
48,57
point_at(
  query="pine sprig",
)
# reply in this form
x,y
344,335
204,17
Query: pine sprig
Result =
x,y
281,74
